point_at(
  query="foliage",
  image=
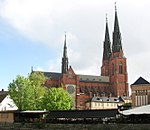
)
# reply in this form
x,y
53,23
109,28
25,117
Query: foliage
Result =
x,y
30,94
27,92
20,92
57,99
37,80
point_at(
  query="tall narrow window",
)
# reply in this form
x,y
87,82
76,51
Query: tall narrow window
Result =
x,y
120,68
113,69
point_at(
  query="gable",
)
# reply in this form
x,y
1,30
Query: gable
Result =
x,y
140,81
70,73
8,104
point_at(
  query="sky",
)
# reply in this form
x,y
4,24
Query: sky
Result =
x,y
32,33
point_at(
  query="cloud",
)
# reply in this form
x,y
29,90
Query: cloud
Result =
x,y
31,18
38,68
54,65
45,21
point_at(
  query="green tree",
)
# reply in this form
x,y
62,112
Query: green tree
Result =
x,y
57,99
38,89
28,92
20,91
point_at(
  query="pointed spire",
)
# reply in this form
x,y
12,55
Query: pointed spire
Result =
x,y
117,46
107,50
64,68
65,48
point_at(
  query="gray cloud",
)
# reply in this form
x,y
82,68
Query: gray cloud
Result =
x,y
45,21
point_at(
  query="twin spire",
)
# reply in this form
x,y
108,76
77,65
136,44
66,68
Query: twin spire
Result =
x,y
116,45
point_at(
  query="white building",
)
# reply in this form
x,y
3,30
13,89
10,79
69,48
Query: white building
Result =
x,y
6,103
104,103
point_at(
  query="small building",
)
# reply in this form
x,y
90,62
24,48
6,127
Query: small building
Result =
x,y
7,116
140,92
104,103
6,103
7,108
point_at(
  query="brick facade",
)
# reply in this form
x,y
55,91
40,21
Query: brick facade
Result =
x,y
118,74
112,82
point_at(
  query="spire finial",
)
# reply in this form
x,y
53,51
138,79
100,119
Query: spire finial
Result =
x,y
115,6
106,18
65,35
65,40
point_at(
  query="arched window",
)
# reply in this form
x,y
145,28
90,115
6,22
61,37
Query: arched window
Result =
x,y
113,68
120,68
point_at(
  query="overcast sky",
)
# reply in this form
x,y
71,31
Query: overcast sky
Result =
x,y
32,34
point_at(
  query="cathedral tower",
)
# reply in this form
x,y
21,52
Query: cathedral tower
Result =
x,y
114,62
117,63
64,67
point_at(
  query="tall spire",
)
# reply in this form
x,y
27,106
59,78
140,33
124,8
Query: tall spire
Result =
x,y
107,50
64,68
117,46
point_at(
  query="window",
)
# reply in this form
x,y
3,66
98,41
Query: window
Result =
x,y
113,69
95,104
120,68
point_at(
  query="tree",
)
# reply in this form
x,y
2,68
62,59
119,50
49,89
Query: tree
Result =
x,y
57,99
28,92
20,91
37,80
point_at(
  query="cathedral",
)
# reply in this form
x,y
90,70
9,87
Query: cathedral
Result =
x,y
112,82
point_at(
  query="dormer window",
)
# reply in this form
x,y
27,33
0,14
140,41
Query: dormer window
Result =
x,y
98,98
